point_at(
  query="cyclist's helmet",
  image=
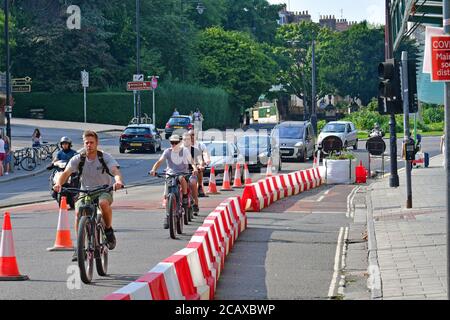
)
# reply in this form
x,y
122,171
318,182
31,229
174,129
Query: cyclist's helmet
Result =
x,y
65,140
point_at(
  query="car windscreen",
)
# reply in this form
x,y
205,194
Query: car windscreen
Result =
x,y
179,121
136,131
291,132
334,127
217,149
253,142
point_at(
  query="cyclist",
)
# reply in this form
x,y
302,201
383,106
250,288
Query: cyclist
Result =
x,y
178,159
197,157
95,169
205,158
66,153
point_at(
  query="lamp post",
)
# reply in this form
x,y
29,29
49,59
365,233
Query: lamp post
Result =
x,y
313,94
8,80
138,56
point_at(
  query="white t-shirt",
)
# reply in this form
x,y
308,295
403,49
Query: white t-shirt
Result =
x,y
2,146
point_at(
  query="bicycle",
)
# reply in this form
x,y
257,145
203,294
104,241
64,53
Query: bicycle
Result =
x,y
91,241
177,214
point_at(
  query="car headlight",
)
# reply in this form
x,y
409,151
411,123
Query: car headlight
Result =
x,y
299,144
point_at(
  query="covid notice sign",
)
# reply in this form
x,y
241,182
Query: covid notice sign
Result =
x,y
440,58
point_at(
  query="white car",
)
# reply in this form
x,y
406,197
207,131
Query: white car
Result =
x,y
344,130
222,153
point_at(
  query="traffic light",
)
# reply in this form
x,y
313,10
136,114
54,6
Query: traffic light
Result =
x,y
389,88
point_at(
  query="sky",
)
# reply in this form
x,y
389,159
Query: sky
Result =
x,y
352,10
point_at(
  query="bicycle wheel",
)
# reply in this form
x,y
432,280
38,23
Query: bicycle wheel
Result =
x,y
171,210
186,217
101,257
28,164
179,220
84,253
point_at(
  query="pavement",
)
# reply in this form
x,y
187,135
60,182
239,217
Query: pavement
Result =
x,y
394,253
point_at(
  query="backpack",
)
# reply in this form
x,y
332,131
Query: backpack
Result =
x,y
100,158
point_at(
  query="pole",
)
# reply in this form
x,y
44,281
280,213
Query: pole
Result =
x,y
85,111
389,54
134,103
313,98
446,23
138,55
8,79
407,133
154,113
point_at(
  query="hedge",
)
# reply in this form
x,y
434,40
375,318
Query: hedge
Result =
x,y
117,107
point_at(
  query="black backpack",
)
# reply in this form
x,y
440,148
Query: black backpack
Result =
x,y
100,158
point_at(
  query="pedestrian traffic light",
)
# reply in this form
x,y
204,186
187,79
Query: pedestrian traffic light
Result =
x,y
389,88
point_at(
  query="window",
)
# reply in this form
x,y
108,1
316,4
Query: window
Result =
x,y
179,121
136,131
334,127
349,128
291,132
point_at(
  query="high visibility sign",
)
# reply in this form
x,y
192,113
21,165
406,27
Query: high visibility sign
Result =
x,y
139,85
154,82
440,58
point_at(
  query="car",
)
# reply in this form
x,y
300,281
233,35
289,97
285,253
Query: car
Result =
x,y
256,150
344,130
260,126
140,137
222,153
296,140
178,125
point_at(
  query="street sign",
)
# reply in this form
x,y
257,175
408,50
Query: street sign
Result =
x,y
8,109
85,79
440,58
21,88
154,82
138,77
376,146
139,85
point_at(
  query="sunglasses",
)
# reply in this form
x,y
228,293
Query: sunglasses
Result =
x,y
174,142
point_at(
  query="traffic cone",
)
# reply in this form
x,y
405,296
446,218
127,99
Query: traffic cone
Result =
x,y
237,177
212,188
226,185
63,240
269,168
247,178
9,271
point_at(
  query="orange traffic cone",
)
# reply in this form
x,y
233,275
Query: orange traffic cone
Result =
x,y
226,185
63,240
237,177
9,271
247,178
212,188
269,168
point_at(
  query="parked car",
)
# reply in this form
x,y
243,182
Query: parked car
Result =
x,y
345,130
260,126
140,137
180,124
222,153
296,140
256,150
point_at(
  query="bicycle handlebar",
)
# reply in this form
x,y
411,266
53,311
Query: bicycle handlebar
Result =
x,y
105,188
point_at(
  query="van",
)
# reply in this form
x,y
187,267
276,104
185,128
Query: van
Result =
x,y
297,140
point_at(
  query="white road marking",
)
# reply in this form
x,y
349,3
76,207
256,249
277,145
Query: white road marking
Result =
x,y
320,199
327,192
336,264
350,200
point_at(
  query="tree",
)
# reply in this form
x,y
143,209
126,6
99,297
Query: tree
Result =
x,y
237,63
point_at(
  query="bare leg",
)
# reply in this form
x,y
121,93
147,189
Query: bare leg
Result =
x,y
106,212
194,190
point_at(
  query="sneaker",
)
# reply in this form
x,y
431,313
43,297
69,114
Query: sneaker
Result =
x,y
195,209
166,223
75,256
6,173
109,233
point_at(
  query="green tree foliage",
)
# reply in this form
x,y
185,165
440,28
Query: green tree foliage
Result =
x,y
237,63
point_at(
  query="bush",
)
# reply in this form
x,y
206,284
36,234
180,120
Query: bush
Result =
x,y
321,124
117,107
433,114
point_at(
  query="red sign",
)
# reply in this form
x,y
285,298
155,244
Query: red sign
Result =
x,y
440,58
139,85
154,82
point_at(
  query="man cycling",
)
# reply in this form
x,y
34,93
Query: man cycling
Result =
x,y
197,157
205,158
96,168
178,158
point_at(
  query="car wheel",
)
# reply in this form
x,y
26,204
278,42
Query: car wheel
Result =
x,y
121,150
167,136
152,149
355,146
304,156
345,145
279,165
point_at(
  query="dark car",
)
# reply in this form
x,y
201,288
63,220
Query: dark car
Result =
x,y
260,126
140,137
178,124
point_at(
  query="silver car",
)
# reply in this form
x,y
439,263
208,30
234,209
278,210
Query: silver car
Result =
x,y
344,130
296,140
